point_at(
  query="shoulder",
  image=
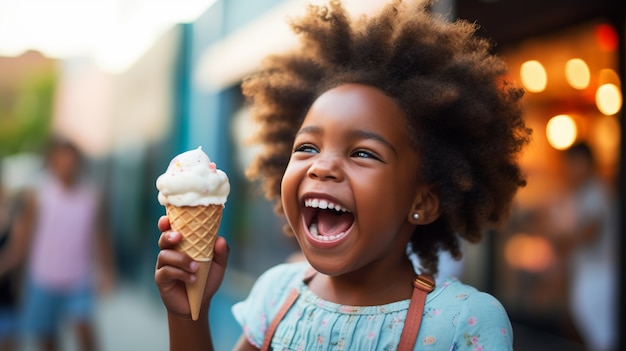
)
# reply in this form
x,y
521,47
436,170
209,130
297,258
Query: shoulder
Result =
x,y
469,301
458,293
88,187
478,318
266,297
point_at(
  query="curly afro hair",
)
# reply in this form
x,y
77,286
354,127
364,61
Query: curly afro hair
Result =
x,y
463,117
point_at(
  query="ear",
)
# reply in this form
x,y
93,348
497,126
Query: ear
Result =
x,y
425,208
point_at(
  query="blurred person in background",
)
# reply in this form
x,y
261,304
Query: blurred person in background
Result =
x,y
61,234
585,224
9,273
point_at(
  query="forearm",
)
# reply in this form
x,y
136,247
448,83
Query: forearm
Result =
x,y
105,253
6,262
10,259
14,254
189,335
104,241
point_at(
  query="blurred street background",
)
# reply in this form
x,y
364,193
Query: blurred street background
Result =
x,y
134,82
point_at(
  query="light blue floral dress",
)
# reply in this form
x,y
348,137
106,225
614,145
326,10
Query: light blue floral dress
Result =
x,y
456,317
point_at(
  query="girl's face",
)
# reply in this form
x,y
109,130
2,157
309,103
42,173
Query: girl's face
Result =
x,y
351,181
64,164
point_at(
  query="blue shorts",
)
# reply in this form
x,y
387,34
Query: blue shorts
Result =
x,y
44,310
8,322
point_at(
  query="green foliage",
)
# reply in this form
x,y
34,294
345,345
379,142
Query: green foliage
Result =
x,y
26,114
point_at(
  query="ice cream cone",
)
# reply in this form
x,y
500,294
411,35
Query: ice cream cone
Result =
x,y
195,290
198,226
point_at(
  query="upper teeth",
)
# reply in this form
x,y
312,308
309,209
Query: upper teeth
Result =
x,y
324,204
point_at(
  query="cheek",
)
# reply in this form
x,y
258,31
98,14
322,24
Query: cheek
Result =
x,y
374,197
386,195
288,181
289,190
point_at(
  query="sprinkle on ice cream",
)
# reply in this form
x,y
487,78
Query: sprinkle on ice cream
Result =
x,y
191,179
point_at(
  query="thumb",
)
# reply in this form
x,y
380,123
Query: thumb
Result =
x,y
222,251
218,267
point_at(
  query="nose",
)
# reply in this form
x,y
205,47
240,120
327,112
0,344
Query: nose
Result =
x,y
325,168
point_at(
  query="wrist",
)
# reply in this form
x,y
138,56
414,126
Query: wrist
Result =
x,y
187,334
203,315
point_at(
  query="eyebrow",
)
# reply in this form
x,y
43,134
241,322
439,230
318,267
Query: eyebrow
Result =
x,y
309,130
356,133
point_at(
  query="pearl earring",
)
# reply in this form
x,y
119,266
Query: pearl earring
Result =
x,y
416,216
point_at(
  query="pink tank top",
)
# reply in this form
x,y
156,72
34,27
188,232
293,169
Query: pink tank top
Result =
x,y
61,255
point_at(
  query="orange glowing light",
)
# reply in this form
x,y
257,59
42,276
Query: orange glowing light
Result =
x,y
607,37
528,252
561,131
608,99
534,76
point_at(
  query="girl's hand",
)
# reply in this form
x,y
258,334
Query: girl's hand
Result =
x,y
174,268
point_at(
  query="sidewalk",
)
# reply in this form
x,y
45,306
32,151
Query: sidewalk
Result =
x,y
130,319
134,319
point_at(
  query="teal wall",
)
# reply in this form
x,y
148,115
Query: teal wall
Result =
x,y
205,120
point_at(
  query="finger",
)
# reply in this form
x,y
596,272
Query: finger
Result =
x,y
169,240
164,224
222,251
220,259
167,275
177,259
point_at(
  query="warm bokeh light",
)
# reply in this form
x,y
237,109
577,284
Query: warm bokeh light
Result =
x,y
534,76
607,37
608,99
561,132
577,73
606,134
607,75
528,252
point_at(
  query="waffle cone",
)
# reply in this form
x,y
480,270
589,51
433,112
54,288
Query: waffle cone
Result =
x,y
198,226
195,290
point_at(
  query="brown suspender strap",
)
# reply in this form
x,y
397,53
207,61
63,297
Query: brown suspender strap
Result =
x,y
269,334
291,298
422,285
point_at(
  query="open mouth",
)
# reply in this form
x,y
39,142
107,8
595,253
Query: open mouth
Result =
x,y
327,220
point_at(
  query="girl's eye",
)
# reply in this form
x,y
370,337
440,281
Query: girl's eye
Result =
x,y
308,148
365,154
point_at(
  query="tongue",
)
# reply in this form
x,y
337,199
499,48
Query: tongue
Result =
x,y
329,223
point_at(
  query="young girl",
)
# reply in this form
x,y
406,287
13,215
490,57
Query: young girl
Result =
x,y
381,134
60,236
